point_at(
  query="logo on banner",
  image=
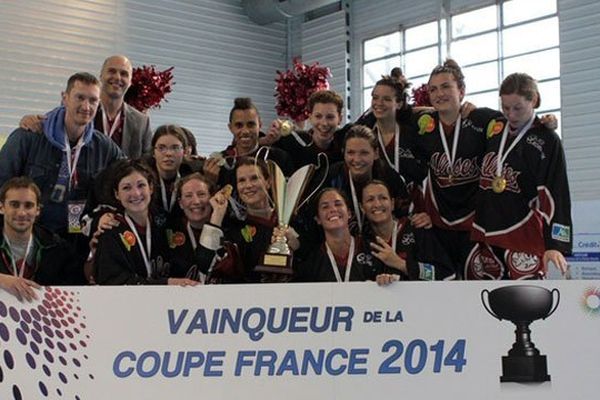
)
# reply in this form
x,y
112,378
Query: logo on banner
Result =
x,y
522,304
591,301
53,339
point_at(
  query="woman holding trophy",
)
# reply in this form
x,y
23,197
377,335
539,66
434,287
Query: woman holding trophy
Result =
x,y
232,250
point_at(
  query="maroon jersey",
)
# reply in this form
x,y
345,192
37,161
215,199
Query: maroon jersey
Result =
x,y
533,211
453,173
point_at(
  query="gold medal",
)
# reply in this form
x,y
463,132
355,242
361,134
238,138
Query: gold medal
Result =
x,y
286,127
499,184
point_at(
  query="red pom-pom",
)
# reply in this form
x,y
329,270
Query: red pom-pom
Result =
x,y
149,87
420,96
295,86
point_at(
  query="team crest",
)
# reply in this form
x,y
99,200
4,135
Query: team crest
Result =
x,y
128,239
482,264
175,239
494,128
426,124
248,233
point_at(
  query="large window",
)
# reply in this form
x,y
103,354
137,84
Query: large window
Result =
x,y
488,43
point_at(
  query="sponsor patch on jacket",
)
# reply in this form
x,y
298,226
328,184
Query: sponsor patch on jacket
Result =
x,y
426,124
175,239
494,128
561,233
128,239
248,233
426,272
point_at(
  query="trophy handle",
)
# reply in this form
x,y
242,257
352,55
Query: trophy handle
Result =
x,y
557,301
326,163
485,295
265,149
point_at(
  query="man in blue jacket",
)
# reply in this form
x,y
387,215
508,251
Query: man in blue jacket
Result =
x,y
65,159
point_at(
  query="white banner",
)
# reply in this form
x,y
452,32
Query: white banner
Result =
x,y
303,341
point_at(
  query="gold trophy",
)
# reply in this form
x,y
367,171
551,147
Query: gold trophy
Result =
x,y
286,198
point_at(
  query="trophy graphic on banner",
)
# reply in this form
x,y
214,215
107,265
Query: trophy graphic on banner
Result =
x,y
286,199
522,304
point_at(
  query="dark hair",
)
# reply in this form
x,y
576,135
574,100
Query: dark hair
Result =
x,y
398,82
191,140
322,192
375,182
262,165
362,132
172,130
522,85
84,77
326,97
124,168
191,177
20,182
451,67
243,103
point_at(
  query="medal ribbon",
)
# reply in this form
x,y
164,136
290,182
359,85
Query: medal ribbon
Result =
x,y
501,154
72,159
168,205
396,164
19,272
147,250
336,271
355,202
105,123
190,232
454,142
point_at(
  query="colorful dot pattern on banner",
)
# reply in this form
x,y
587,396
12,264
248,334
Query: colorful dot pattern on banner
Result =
x,y
53,338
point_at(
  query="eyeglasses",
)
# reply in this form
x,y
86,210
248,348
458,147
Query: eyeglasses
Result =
x,y
176,148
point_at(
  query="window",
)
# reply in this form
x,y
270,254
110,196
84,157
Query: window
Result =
x,y
489,43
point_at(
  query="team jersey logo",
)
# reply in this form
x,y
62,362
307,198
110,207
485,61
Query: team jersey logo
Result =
x,y
128,239
482,264
494,128
175,239
248,233
426,124
488,173
562,233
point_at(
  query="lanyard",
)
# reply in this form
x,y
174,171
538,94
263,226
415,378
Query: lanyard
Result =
x,y
72,159
396,164
450,157
146,251
355,202
501,154
19,272
168,205
338,277
113,128
192,237
395,235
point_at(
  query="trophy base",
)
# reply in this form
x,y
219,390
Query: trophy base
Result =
x,y
276,263
524,369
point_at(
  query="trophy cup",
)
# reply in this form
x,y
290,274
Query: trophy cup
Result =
x,y
522,305
286,196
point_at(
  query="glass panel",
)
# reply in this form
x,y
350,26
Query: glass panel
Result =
x,y
523,10
372,72
550,94
418,81
488,99
475,49
421,36
474,21
421,61
481,77
367,98
530,37
542,65
382,46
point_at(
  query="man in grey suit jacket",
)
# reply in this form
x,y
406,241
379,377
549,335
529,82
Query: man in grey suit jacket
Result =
x,y
128,127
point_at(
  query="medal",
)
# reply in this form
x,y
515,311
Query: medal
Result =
x,y
499,184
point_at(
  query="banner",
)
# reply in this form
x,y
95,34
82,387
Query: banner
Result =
x,y
304,341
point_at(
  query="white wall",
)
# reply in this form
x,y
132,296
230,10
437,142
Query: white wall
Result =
x,y
218,54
